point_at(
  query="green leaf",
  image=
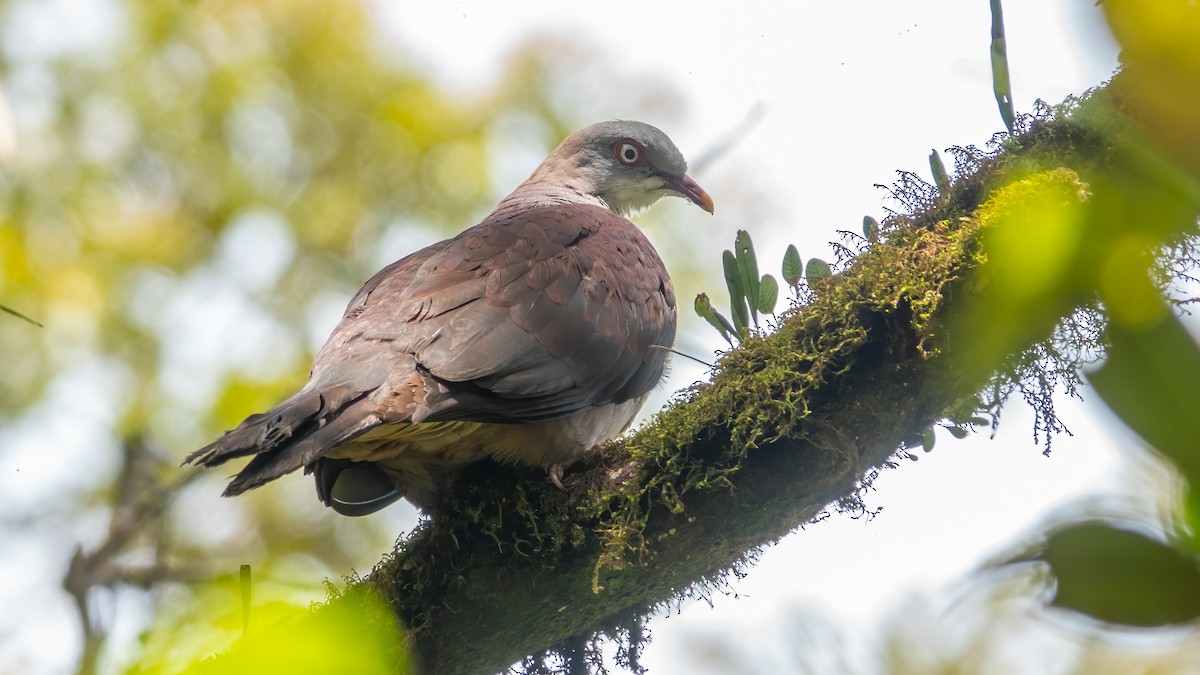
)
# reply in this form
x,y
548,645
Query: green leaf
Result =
x,y
1122,577
748,269
793,267
870,228
955,431
816,270
737,292
940,179
1149,379
728,326
704,308
1001,85
768,293
928,439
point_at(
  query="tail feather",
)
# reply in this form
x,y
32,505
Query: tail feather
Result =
x,y
353,420
263,431
291,435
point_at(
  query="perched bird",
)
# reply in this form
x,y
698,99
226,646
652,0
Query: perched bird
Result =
x,y
529,338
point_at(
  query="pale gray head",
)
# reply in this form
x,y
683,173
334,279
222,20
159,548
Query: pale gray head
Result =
x,y
627,165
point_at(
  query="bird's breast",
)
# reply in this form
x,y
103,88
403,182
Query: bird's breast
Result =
x,y
452,445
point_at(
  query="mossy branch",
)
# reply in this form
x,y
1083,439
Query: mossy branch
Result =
x,y
790,425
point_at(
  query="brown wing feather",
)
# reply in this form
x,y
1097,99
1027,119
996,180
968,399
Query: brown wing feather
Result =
x,y
527,312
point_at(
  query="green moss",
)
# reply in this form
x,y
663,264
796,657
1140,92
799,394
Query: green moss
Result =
x,y
766,388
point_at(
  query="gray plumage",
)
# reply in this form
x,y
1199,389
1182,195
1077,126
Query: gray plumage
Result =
x,y
528,338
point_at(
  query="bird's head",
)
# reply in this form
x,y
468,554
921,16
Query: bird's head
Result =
x,y
628,165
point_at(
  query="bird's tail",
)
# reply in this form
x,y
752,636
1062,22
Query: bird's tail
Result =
x,y
293,434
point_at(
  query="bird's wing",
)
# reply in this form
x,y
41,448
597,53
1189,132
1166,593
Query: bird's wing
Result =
x,y
534,315
530,316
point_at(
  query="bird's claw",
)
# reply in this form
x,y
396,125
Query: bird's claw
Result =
x,y
556,475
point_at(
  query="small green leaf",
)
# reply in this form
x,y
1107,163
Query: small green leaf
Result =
x,y
737,292
816,270
870,228
793,267
928,439
1001,85
940,179
728,326
768,293
705,309
957,432
748,268
978,421
1122,577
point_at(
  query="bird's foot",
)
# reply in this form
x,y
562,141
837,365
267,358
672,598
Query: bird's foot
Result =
x,y
556,475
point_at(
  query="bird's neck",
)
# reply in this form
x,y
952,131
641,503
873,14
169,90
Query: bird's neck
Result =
x,y
541,190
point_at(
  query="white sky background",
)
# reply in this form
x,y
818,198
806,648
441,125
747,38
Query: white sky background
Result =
x,y
852,92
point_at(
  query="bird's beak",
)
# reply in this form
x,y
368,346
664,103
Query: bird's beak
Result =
x,y
687,187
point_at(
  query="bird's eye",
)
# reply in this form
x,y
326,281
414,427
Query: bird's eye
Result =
x,y
627,153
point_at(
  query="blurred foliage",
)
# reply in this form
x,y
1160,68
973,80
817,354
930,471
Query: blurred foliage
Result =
x,y
1121,576
1113,229
197,188
285,635
189,194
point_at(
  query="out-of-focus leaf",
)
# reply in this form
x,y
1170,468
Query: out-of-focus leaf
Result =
x,y
1151,380
747,263
1122,577
1034,232
928,439
737,292
940,178
342,637
768,293
870,228
1162,67
793,267
816,270
286,632
1000,81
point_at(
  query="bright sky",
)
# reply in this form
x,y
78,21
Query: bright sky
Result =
x,y
852,92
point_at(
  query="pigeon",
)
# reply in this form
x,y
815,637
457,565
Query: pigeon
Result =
x,y
527,339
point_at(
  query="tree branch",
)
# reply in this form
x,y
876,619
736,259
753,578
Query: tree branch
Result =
x,y
791,424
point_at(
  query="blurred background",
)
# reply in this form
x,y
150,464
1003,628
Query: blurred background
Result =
x,y
190,192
